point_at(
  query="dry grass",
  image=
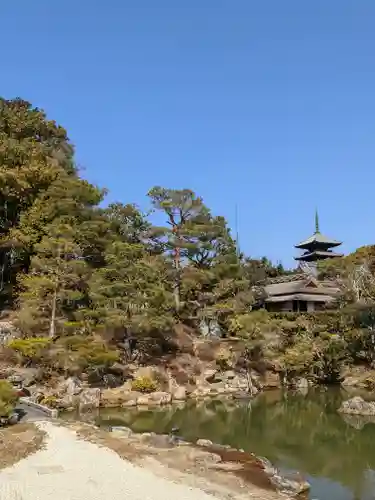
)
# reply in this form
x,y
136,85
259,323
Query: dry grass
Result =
x,y
18,442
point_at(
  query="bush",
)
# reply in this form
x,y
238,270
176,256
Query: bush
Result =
x,y
83,353
144,385
8,398
30,351
224,360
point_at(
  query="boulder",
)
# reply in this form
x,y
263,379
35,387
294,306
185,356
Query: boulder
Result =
x,y
210,375
120,431
357,406
179,393
271,380
119,397
206,443
71,386
24,376
154,399
291,484
204,458
89,398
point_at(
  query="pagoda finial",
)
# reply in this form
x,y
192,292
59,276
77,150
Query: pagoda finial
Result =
x,y
316,221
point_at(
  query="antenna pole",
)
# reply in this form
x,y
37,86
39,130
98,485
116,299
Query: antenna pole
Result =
x,y
236,228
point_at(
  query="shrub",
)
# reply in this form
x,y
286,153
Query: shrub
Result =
x,y
30,351
49,401
224,360
81,353
8,398
144,384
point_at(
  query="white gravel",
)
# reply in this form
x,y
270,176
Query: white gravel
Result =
x,y
72,469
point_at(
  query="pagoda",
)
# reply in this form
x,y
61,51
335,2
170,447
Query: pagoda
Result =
x,y
317,247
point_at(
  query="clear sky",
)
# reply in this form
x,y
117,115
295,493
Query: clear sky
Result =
x,y
267,104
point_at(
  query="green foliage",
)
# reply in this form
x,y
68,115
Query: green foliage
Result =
x,y
224,359
144,384
8,398
30,351
77,353
95,285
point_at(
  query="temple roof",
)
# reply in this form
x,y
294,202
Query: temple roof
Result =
x,y
307,285
316,255
318,239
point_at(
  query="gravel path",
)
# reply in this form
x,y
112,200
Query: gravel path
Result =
x,y
72,469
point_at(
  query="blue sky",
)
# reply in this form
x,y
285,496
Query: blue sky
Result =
x,y
268,104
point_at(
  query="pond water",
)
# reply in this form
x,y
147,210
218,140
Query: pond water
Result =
x,y
296,432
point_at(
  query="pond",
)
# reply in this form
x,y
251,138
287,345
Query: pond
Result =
x,y
296,432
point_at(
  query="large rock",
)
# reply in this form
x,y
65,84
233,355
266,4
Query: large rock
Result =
x,y
271,380
291,484
154,399
71,386
357,406
210,375
24,376
179,393
119,396
89,398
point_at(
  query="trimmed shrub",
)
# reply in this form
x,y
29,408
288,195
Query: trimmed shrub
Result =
x,y
144,385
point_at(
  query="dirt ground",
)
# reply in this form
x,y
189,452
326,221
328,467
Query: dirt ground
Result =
x,y
18,442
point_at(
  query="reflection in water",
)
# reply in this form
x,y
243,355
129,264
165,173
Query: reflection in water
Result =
x,y
296,432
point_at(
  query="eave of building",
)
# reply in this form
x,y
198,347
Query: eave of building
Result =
x,y
316,255
318,239
300,296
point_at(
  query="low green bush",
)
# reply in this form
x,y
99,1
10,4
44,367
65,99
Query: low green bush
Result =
x,y
144,384
8,398
31,350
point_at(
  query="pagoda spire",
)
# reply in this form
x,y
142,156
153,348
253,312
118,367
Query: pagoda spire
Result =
x,y
316,222
318,246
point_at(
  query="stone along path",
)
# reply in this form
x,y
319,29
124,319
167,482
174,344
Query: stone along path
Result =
x,y
72,469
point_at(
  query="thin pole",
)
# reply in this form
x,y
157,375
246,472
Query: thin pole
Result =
x,y
236,228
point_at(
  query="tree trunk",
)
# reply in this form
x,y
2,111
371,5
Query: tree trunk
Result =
x,y
52,327
176,291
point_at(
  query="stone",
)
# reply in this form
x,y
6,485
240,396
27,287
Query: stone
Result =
x,y
271,380
123,432
210,375
357,406
68,402
229,374
90,398
206,443
227,466
203,457
161,441
292,485
118,397
71,386
179,393
155,398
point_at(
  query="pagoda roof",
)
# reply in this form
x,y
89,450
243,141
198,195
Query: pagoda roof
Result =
x,y
317,254
318,239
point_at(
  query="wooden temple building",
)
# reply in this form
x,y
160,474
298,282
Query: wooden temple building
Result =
x,y
303,292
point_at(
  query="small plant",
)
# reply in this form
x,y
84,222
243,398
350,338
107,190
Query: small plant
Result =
x,y
224,360
49,401
8,398
144,385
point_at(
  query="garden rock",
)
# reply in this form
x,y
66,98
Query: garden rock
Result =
x,y
358,406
